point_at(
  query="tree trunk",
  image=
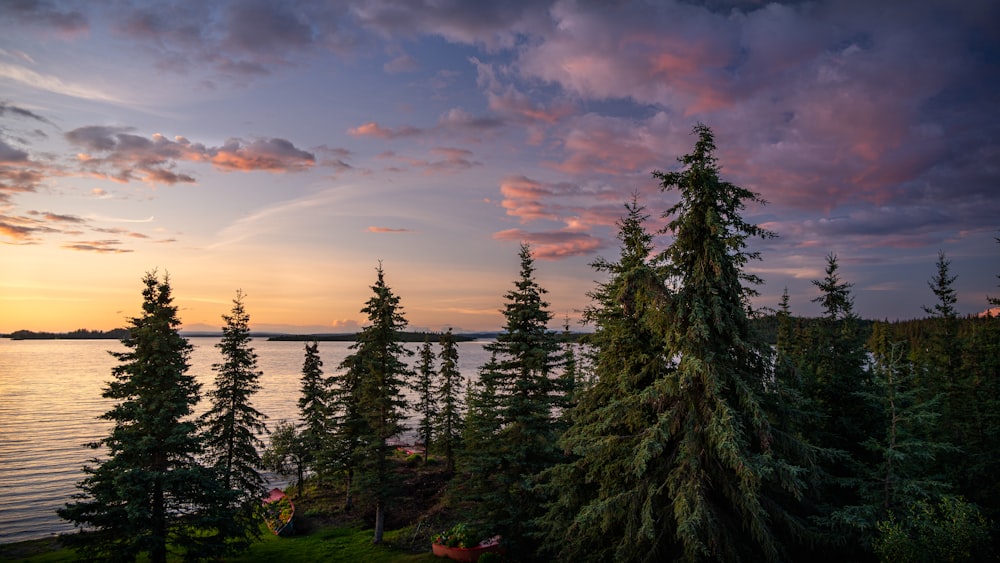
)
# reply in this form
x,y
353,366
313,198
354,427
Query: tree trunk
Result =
x,y
379,521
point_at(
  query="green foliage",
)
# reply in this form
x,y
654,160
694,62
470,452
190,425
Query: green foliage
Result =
x,y
278,513
426,406
148,493
594,498
462,534
315,413
376,375
516,439
287,452
231,426
448,420
949,530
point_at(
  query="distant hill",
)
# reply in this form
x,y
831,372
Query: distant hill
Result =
x,y
351,336
80,334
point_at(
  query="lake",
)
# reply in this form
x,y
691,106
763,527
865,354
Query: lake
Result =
x,y
50,401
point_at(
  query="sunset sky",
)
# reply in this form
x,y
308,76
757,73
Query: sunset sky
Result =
x,y
285,148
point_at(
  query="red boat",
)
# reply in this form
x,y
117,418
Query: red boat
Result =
x,y
279,512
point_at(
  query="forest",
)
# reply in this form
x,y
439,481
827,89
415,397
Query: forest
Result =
x,y
687,426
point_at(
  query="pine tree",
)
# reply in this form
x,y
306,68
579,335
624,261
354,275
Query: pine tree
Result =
x,y
594,499
232,426
149,493
713,487
426,406
380,372
527,354
448,422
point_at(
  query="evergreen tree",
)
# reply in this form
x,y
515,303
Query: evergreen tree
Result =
x,y
149,493
903,448
526,391
232,426
448,422
595,499
426,406
713,486
381,374
315,412
938,365
837,387
347,423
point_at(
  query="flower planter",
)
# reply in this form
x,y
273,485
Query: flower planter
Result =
x,y
468,554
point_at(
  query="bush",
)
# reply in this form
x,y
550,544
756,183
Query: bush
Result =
x,y
459,535
951,530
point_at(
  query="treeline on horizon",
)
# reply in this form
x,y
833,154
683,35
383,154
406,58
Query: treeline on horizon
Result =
x,y
678,432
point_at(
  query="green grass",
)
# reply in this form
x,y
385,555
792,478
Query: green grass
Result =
x,y
325,544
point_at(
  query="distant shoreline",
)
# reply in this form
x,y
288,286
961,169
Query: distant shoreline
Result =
x,y
120,333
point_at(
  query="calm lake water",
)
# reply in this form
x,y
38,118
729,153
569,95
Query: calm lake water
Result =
x,y
50,398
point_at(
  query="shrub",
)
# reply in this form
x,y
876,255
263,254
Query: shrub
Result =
x,y
951,530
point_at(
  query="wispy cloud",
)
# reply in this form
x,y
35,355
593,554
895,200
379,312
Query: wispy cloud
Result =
x,y
99,246
53,84
374,229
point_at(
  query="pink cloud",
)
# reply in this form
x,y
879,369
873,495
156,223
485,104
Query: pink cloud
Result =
x,y
553,245
116,153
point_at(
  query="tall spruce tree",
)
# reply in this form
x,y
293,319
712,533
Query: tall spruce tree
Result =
x,y
526,355
232,426
381,374
148,492
712,486
904,447
938,366
426,406
595,499
448,422
315,412
831,359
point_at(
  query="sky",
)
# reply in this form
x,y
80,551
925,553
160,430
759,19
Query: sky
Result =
x,y
286,149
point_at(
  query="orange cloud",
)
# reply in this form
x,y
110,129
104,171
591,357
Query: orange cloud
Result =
x,y
372,129
272,155
374,229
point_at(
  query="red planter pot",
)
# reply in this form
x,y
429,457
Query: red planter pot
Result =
x,y
468,554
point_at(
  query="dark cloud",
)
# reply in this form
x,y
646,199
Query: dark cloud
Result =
x,y
7,108
10,155
44,14
492,24
238,38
